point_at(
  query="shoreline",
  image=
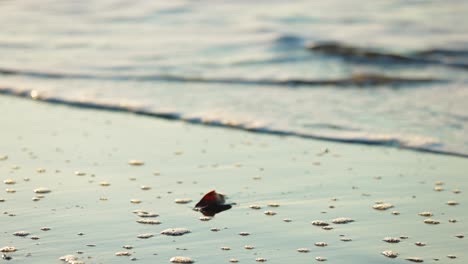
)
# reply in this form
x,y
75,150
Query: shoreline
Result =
x,y
378,140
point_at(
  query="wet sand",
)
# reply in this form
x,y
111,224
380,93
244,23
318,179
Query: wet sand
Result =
x,y
76,181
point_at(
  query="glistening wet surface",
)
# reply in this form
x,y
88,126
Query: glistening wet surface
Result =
x,y
294,178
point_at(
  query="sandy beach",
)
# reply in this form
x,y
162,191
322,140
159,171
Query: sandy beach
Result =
x,y
96,168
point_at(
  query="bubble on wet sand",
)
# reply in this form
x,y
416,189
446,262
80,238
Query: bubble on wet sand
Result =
x,y
346,239
456,191
389,254
382,206
425,214
328,228
270,213
135,162
80,173
175,231
146,221
9,181
249,247
438,189
261,259
42,190
319,258
255,207
35,238
225,248
145,235
21,233
233,260
123,254
342,220
420,244
319,223
183,201
180,259
287,220
3,157
214,229
145,187
135,201
35,199
45,228
430,221
415,259
7,249
320,244
273,205
439,183
127,247
395,213
303,250
452,203
9,190
40,170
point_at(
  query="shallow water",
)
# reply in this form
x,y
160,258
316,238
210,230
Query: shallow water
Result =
x,y
309,180
222,63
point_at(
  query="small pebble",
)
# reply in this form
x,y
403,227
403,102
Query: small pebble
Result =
x,y
452,203
327,228
10,190
390,254
431,221
42,190
127,247
7,249
175,231
255,207
135,201
426,214
123,253
40,170
104,184
205,218
135,162
180,259
148,221
145,236
244,233
382,206
21,233
226,248
420,244
321,244
261,259
459,236
391,240
346,239
415,259
287,220
80,173
249,247
451,256
320,258
183,201
9,181
233,260
303,250
319,223
215,229
269,213
342,220
145,187
273,205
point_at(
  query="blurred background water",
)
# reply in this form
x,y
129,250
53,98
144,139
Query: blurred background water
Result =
x,y
249,64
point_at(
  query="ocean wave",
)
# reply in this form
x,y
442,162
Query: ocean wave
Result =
x,y
362,80
442,57
415,143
